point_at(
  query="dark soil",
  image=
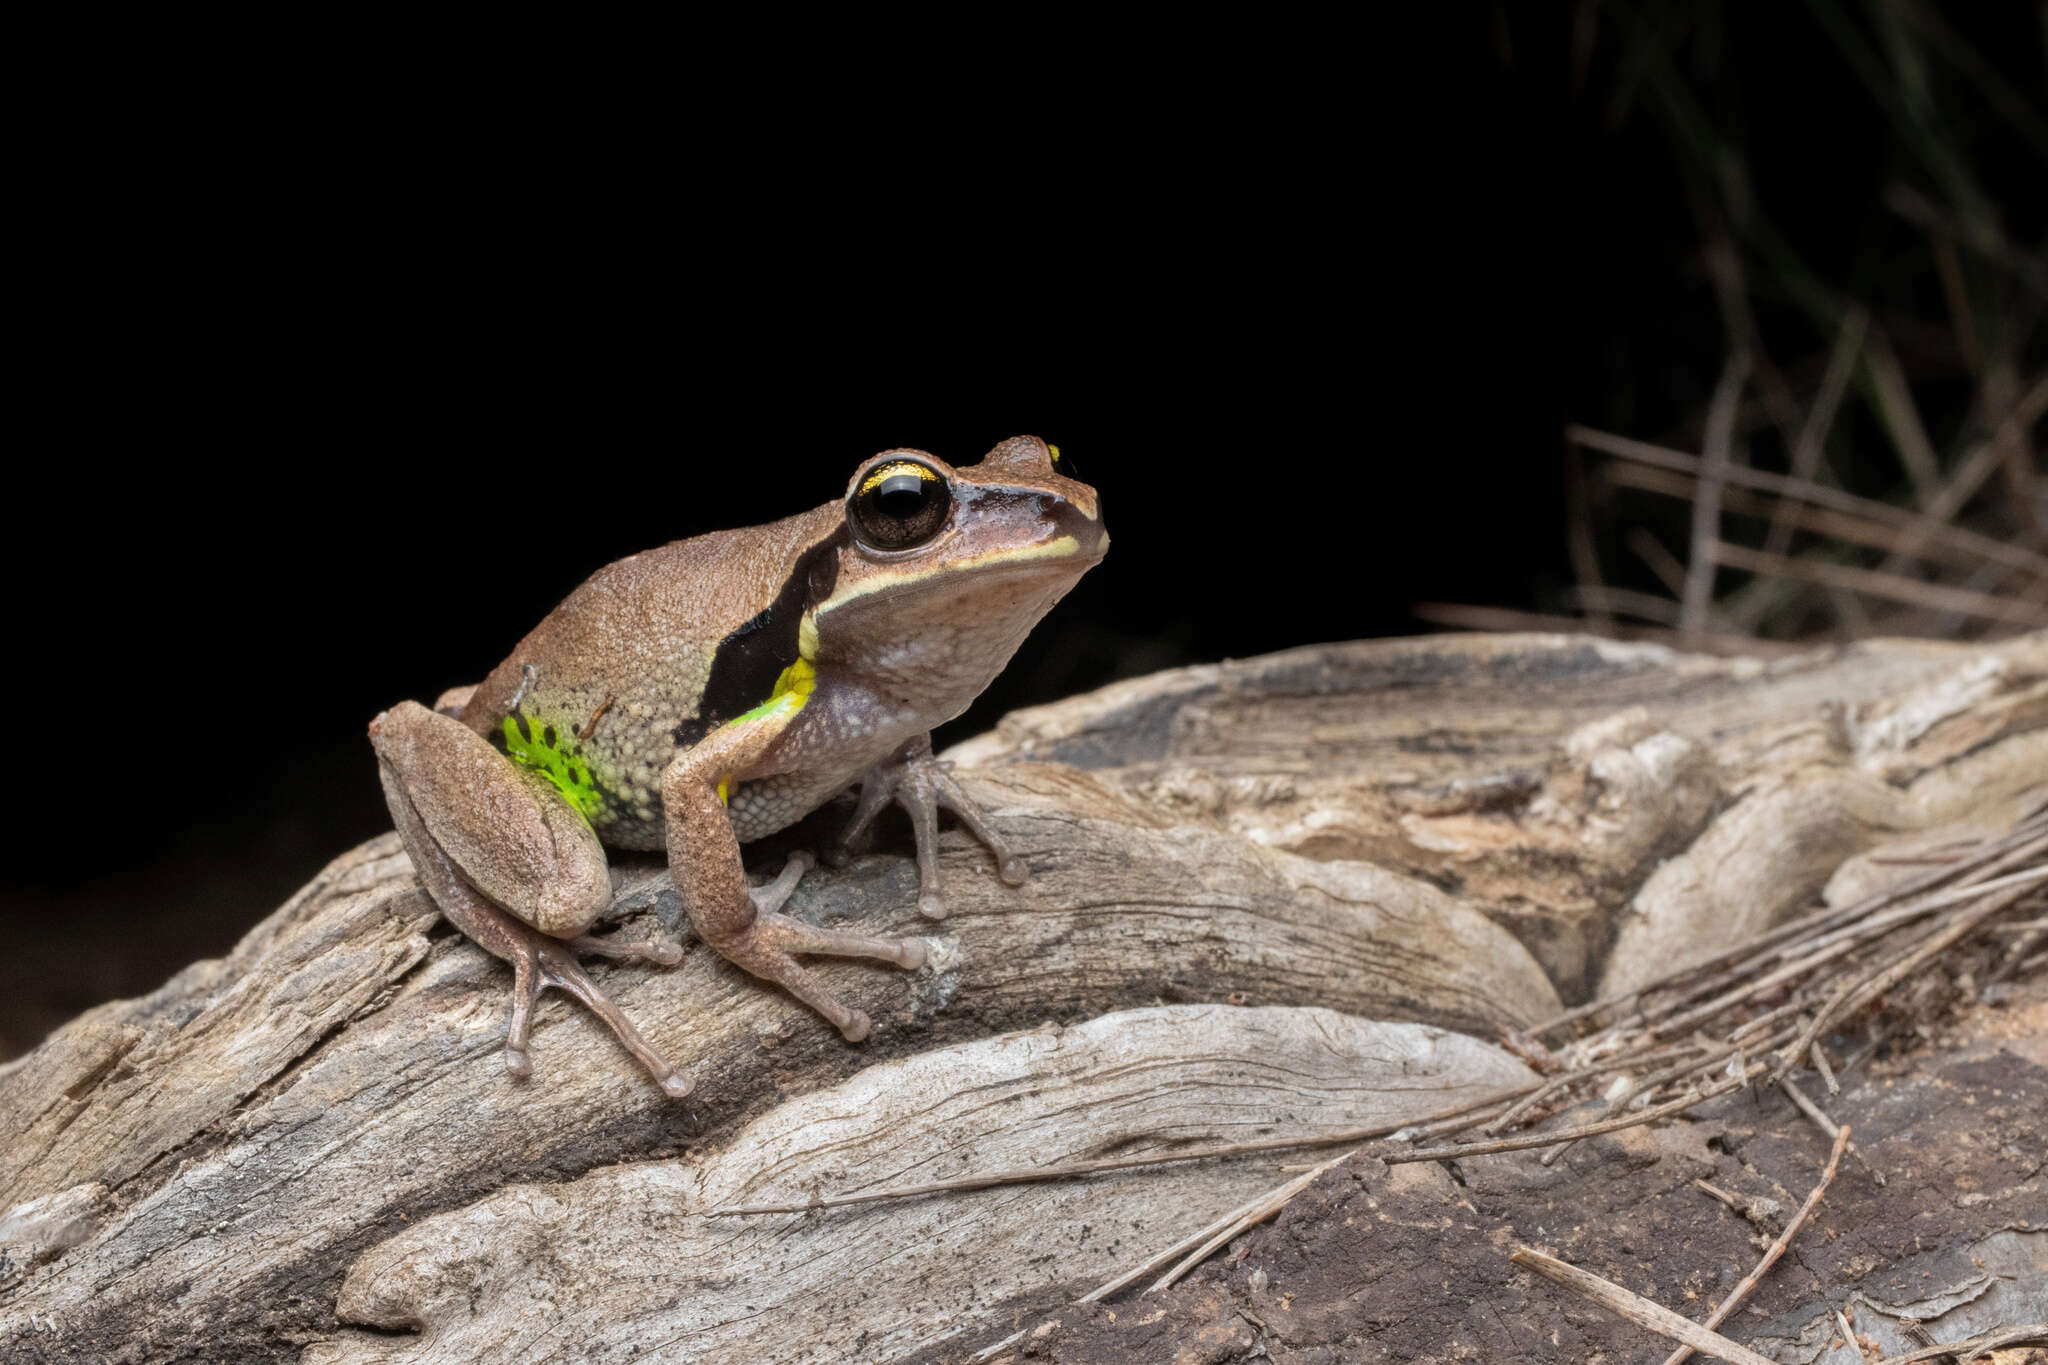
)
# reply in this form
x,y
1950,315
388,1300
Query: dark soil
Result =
x,y
1410,1263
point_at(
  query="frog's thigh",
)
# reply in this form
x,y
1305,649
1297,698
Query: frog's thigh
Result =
x,y
451,702
506,829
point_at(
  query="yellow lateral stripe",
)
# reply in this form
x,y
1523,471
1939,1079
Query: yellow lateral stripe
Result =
x,y
792,689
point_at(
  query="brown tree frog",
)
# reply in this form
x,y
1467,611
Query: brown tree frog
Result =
x,y
715,690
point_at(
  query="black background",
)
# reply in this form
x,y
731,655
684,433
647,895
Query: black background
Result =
x,y
337,391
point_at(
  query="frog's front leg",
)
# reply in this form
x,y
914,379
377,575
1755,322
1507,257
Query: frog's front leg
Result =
x,y
743,922
512,865
921,784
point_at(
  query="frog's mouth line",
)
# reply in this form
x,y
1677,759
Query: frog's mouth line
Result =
x,y
1059,547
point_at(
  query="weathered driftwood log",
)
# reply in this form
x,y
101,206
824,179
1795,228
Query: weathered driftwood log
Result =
x,y
311,1147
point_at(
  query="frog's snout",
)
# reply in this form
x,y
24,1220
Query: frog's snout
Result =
x,y
377,723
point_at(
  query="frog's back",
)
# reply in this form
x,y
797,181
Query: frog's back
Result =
x,y
648,654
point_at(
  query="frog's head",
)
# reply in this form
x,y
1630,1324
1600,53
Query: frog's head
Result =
x,y
972,556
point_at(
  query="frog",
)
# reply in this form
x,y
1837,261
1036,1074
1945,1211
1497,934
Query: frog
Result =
x,y
706,694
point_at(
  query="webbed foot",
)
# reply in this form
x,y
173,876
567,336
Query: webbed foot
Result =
x,y
539,962
922,784
766,945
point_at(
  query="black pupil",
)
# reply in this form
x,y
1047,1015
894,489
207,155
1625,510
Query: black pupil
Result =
x,y
900,496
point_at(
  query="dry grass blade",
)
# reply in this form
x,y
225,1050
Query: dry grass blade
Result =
x,y
1856,994
1733,1201
1716,973
2031,926
1568,1135
2028,1334
1579,521
1970,890
1636,1308
1835,944
1599,602
1818,1055
1706,508
992,1351
1199,1244
1557,1085
1848,1332
1820,418
1660,561
1736,1042
1820,1120
1393,1156
1982,462
1824,521
1777,1249
1257,1211
1902,420
1733,1052
1980,236
1876,583
1981,546
1474,1113
1748,990
1805,1105
2018,461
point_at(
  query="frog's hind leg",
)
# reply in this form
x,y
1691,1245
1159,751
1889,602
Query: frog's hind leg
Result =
x,y
416,750
922,785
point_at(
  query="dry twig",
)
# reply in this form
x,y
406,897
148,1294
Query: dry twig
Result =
x,y
1635,1307
1875,583
1706,508
1856,994
1983,547
1777,1248
2027,1334
1265,1206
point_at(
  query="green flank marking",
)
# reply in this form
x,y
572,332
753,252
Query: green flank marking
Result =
x,y
569,773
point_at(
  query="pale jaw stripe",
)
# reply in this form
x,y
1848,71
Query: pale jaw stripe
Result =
x,y
1058,548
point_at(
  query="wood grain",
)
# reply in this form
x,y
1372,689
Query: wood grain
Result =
x,y
1460,832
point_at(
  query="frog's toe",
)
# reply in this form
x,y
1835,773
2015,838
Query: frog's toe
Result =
x,y
769,899
539,962
765,947
923,785
660,950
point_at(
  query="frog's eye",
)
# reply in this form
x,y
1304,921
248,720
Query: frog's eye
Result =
x,y
900,505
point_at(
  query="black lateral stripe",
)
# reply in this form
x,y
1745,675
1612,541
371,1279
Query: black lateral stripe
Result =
x,y
749,660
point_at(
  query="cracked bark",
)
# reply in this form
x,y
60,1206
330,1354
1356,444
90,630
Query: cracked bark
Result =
x,y
310,1147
